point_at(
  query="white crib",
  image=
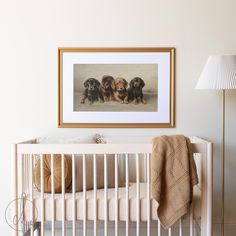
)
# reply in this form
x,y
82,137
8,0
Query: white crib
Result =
x,y
119,208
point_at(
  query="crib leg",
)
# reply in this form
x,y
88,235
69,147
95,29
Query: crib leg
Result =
x,y
195,229
26,233
37,231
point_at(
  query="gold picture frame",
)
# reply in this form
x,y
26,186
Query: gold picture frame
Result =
x,y
76,65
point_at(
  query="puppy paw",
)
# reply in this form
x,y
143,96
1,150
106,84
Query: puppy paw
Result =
x,y
126,100
82,101
143,101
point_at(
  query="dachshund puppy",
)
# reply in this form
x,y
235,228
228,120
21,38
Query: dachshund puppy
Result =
x,y
92,91
119,86
106,89
135,91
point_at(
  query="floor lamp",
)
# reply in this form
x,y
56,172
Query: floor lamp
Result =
x,y
219,73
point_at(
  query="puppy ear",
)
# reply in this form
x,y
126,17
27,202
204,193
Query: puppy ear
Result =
x,y
111,79
104,77
97,83
142,83
125,83
113,85
131,83
86,83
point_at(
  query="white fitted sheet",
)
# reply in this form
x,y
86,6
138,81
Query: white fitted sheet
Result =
x,y
100,205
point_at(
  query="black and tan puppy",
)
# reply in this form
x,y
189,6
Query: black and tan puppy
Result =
x,y
106,89
120,93
92,91
135,90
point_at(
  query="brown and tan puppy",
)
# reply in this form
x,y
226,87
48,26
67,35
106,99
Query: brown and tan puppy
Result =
x,y
119,86
106,89
135,90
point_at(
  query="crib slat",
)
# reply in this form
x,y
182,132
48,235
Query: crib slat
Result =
x,y
73,194
181,227
31,194
169,232
84,197
22,185
95,194
16,185
15,175
63,193
23,189
22,173
105,195
116,195
42,194
127,192
148,194
143,170
138,195
191,220
53,194
27,176
159,228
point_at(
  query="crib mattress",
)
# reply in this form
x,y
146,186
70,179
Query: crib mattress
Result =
x,y
100,205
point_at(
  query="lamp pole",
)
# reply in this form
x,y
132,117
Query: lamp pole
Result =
x,y
223,166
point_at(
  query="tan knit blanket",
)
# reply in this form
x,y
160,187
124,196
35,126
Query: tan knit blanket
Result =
x,y
173,175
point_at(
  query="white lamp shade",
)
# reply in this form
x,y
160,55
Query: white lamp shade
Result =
x,y
218,73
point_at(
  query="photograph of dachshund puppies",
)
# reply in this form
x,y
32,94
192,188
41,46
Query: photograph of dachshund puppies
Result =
x,y
111,89
92,91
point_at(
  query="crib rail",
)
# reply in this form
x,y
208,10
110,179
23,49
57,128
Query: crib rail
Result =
x,y
26,155
93,148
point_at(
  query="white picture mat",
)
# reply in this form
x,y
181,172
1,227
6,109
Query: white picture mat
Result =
x,y
160,58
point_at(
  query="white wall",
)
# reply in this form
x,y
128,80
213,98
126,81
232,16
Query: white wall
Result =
x,y
31,32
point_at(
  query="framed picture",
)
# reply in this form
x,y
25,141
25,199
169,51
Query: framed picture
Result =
x,y
116,87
